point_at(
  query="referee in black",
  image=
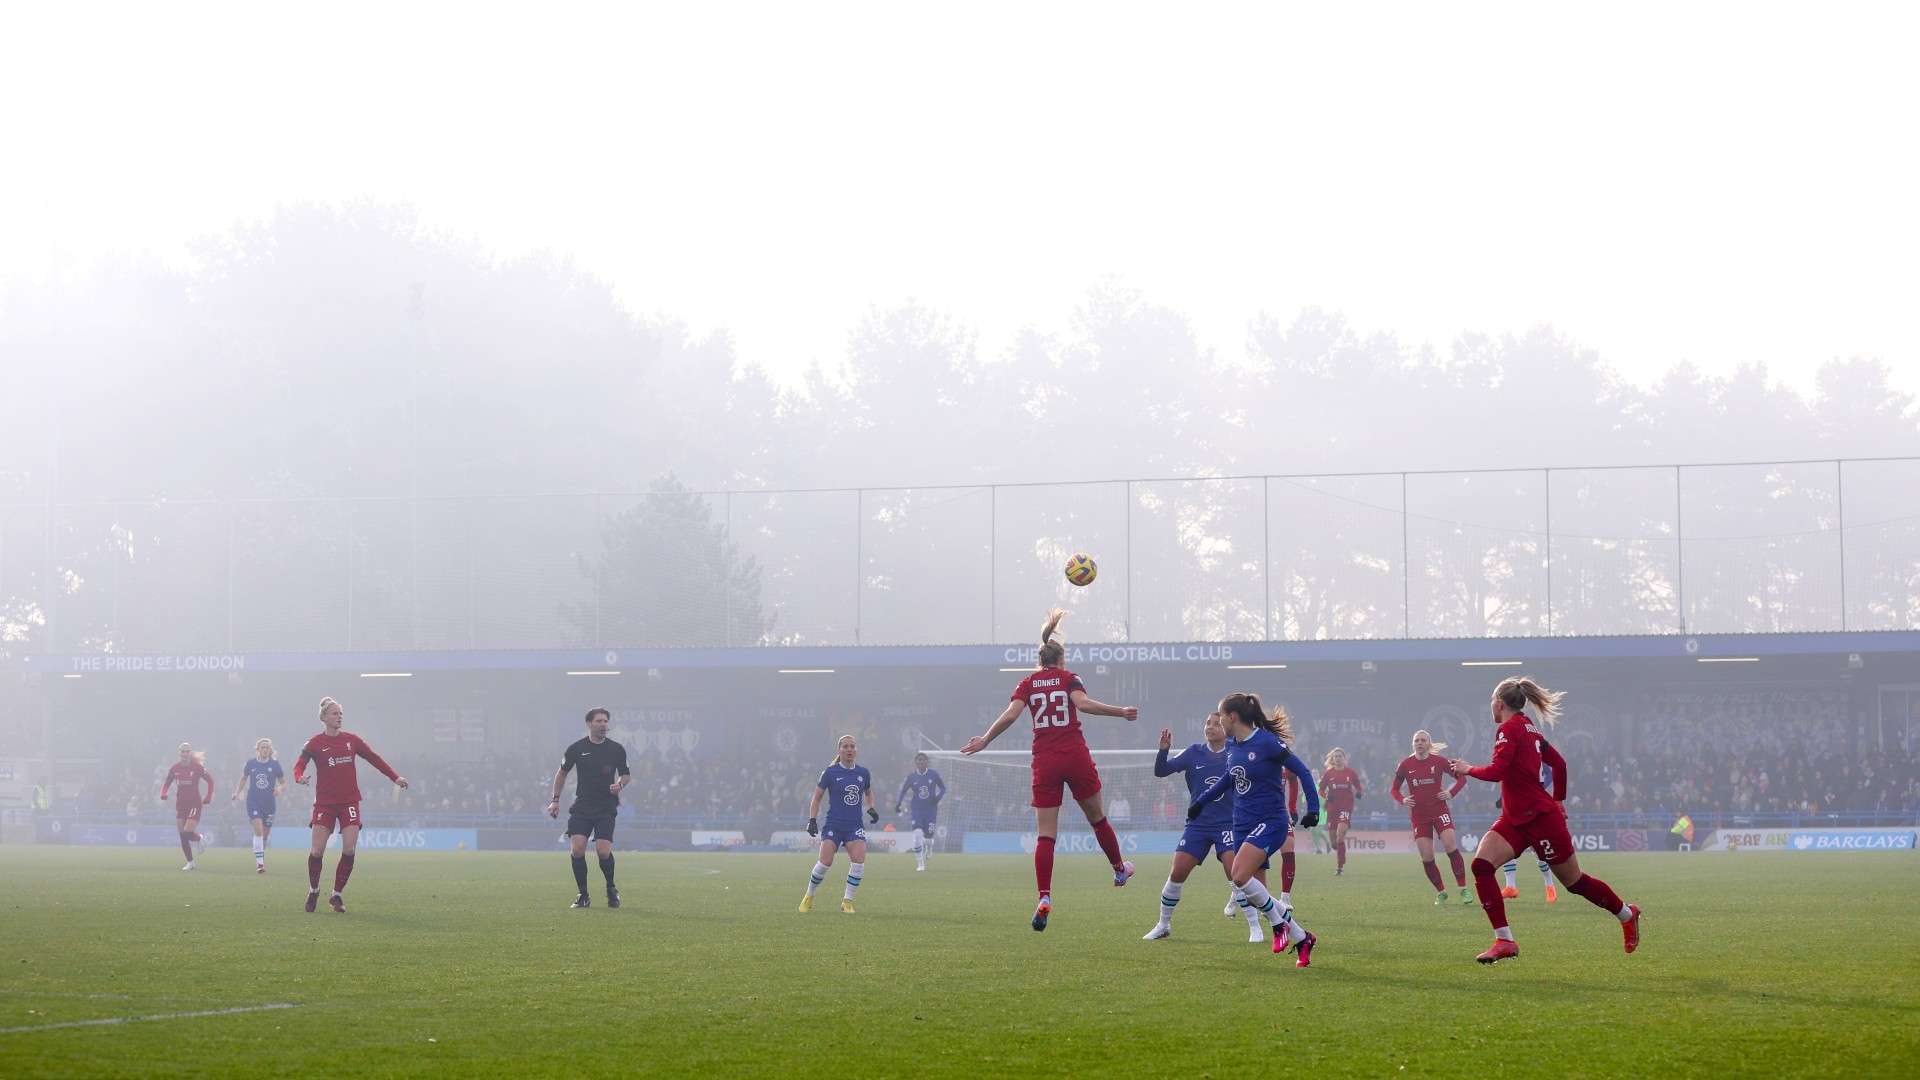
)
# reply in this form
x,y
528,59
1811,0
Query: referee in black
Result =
x,y
596,799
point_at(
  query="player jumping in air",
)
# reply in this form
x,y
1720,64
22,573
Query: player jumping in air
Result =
x,y
1056,698
846,786
336,799
185,777
262,780
1257,759
1529,817
1200,764
927,790
596,801
1424,772
1340,786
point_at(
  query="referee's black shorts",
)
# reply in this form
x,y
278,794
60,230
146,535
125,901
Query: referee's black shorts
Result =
x,y
593,826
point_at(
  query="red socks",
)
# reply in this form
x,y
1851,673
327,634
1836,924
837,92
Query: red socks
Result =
x,y
1459,869
1597,893
1286,871
1433,875
313,873
1109,842
1488,887
186,847
1340,853
342,871
1043,864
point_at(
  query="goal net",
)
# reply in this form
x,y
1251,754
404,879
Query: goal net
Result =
x,y
988,808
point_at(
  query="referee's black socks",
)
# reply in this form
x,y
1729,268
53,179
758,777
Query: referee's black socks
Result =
x,y
606,868
580,873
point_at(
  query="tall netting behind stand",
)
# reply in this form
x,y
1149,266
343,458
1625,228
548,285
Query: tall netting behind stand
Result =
x,y
990,797
926,569
1882,544
1199,565
807,548
1762,548
1616,558
1477,547
1335,551
531,588
1036,529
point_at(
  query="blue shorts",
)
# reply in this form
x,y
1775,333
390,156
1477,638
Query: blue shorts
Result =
x,y
256,812
843,834
1198,840
925,826
1267,835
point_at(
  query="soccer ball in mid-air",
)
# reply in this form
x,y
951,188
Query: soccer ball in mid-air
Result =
x,y
1080,569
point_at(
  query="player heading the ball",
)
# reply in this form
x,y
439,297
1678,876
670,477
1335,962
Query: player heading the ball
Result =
x,y
1056,697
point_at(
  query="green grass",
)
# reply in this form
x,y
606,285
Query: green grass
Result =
x,y
471,964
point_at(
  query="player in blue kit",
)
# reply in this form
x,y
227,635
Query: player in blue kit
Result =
x,y
845,786
1201,764
263,781
927,790
1257,763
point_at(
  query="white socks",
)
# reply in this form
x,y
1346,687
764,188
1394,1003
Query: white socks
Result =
x,y
259,849
1503,933
1169,899
920,848
855,871
819,875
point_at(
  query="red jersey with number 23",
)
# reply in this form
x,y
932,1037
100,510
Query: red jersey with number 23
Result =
x,y
1048,696
335,782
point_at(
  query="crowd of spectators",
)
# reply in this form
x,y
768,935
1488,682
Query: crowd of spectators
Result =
x,y
1699,753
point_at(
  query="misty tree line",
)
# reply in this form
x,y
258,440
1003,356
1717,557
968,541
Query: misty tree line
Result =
x,y
341,430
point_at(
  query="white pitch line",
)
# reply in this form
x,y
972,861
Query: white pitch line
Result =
x,y
112,1020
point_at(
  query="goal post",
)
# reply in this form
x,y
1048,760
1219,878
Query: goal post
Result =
x,y
989,804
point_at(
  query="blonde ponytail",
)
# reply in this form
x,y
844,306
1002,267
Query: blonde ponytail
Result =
x,y
1518,691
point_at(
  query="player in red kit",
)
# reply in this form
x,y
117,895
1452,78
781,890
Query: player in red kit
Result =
x,y
1056,698
1339,789
1424,772
336,799
1529,817
185,777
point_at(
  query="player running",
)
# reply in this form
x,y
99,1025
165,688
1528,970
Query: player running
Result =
x,y
1340,786
1200,764
1257,759
1529,817
1056,697
336,798
927,789
850,786
1424,772
263,781
596,801
1511,890
188,773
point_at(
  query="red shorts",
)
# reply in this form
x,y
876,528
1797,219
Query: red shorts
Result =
x,y
336,815
1432,824
1546,834
1339,815
1069,768
186,815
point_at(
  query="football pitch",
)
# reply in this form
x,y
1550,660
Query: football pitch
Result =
x,y
471,964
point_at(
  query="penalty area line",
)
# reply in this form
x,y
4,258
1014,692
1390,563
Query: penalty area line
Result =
x,y
110,1021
